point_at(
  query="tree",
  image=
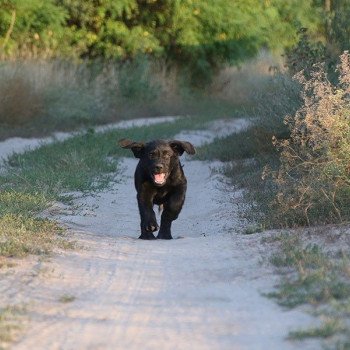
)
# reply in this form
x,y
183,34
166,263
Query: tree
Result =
x,y
199,34
30,28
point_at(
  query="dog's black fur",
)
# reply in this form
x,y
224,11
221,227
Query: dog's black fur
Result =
x,y
160,180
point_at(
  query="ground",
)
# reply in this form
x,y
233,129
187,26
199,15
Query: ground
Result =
x,y
202,290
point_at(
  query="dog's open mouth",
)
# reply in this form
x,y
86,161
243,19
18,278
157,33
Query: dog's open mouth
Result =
x,y
159,179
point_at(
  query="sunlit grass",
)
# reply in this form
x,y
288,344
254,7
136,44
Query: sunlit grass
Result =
x,y
22,235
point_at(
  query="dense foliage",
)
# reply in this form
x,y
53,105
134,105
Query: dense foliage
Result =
x,y
201,33
313,180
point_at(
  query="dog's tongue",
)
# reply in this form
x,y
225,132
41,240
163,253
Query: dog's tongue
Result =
x,y
159,178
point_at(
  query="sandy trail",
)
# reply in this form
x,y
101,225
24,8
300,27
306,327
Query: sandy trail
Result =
x,y
200,291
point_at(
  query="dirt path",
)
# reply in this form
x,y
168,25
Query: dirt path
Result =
x,y
200,291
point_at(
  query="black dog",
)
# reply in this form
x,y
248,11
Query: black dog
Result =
x,y
159,179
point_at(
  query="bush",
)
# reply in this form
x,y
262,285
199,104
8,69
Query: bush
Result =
x,y
313,179
305,54
200,36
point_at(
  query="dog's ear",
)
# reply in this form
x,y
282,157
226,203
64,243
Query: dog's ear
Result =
x,y
182,146
136,147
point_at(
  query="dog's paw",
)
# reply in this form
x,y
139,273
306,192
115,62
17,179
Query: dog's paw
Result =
x,y
147,236
151,226
164,235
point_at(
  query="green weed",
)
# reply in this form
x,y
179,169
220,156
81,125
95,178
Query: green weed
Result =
x,y
311,276
254,142
328,329
15,202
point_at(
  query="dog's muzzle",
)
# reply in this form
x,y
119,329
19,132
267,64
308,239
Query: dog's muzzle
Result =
x,y
159,179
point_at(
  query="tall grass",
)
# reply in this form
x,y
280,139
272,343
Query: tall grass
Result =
x,y
244,85
37,97
66,93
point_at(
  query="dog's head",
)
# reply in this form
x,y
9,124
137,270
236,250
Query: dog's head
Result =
x,y
158,157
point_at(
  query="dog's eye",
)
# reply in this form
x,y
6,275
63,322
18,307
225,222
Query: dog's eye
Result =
x,y
152,154
166,154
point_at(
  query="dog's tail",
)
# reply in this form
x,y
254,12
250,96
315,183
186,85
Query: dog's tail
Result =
x,y
160,208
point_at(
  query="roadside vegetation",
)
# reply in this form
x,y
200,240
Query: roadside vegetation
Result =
x,y
38,98
10,324
293,167
315,272
293,162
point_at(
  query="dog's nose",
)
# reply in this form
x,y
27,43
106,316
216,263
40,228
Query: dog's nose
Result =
x,y
158,168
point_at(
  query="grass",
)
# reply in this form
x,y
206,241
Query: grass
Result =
x,y
312,276
82,163
9,324
254,142
20,236
37,98
328,329
66,298
21,231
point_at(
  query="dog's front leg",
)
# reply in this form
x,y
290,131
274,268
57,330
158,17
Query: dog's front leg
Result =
x,y
172,209
148,217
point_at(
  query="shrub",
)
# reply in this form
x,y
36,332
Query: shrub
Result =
x,y
305,54
313,179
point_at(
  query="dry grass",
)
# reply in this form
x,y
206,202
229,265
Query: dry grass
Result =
x,y
306,180
21,232
20,236
54,95
10,324
19,103
242,85
38,97
66,298
313,180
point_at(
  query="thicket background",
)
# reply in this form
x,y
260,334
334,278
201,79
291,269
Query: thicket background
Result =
x,y
203,33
